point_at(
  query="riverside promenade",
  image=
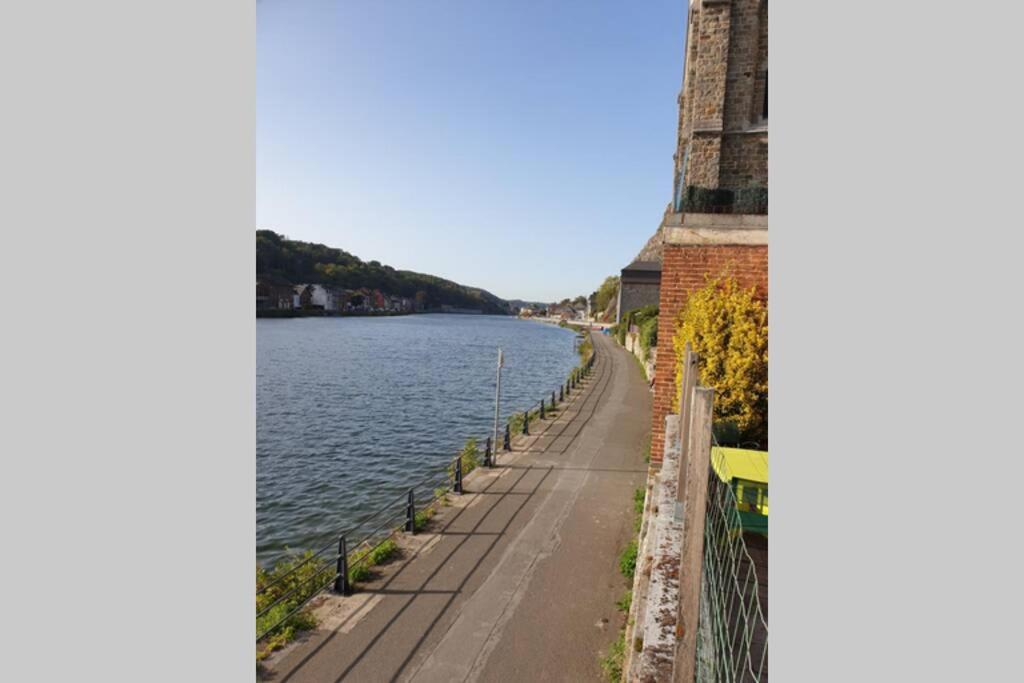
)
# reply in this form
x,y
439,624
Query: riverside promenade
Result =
x,y
518,577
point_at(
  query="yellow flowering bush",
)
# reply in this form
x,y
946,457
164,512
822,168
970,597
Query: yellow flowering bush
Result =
x,y
728,328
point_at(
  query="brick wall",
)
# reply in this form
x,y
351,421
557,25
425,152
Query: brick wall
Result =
x,y
683,270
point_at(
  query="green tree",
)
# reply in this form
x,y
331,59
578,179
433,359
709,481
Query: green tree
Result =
x,y
608,290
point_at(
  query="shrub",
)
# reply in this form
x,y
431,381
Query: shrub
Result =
x,y
585,349
728,328
420,519
357,573
470,456
649,335
302,581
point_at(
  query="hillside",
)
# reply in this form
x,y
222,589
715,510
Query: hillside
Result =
x,y
285,261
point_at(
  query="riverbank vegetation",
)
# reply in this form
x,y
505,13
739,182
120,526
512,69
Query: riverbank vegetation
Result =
x,y
303,574
728,327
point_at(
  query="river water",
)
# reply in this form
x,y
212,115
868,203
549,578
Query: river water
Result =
x,y
352,411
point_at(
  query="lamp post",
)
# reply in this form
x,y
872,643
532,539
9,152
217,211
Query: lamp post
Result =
x,y
497,399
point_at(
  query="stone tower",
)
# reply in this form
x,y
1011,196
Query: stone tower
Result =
x,y
717,220
723,106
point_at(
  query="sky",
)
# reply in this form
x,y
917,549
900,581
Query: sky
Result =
x,y
520,146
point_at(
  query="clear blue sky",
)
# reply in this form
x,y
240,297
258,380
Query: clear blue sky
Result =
x,y
516,145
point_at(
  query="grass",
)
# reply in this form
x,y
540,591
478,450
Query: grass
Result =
x,y
638,509
358,573
420,519
627,560
611,663
625,602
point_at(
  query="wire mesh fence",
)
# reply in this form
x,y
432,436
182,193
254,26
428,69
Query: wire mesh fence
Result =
x,y
732,631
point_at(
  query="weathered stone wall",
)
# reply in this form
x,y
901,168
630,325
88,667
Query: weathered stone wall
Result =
x,y
635,295
683,271
744,160
723,94
748,56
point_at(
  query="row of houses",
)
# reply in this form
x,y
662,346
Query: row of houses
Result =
x,y
553,311
325,298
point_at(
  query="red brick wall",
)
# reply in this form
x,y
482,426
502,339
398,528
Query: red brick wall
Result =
x,y
682,271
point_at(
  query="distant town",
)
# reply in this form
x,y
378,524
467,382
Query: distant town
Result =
x,y
283,300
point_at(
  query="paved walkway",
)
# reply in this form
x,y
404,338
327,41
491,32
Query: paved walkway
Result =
x,y
518,578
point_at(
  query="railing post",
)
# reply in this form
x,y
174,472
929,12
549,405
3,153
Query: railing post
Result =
x,y
691,561
690,371
526,423
552,400
487,455
561,393
410,514
568,388
508,438
341,581
458,474
542,409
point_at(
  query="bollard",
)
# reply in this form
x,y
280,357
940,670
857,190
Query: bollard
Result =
x,y
568,388
526,423
410,514
458,473
552,400
561,393
487,454
508,438
341,580
542,409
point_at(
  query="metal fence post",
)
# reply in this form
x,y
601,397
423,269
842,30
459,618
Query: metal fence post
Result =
x,y
508,439
526,423
410,514
458,474
341,581
552,400
561,393
542,409
487,454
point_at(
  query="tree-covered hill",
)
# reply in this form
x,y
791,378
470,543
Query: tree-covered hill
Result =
x,y
286,261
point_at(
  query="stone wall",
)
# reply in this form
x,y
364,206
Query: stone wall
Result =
x,y
744,160
722,132
684,268
637,294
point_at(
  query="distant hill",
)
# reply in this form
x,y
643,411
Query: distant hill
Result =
x,y
284,261
519,303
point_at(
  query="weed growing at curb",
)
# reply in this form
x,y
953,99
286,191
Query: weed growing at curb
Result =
x,y
627,560
613,660
625,602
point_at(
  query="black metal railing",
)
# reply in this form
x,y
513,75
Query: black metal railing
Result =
x,y
353,546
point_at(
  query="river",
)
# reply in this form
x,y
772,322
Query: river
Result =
x,y
351,411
